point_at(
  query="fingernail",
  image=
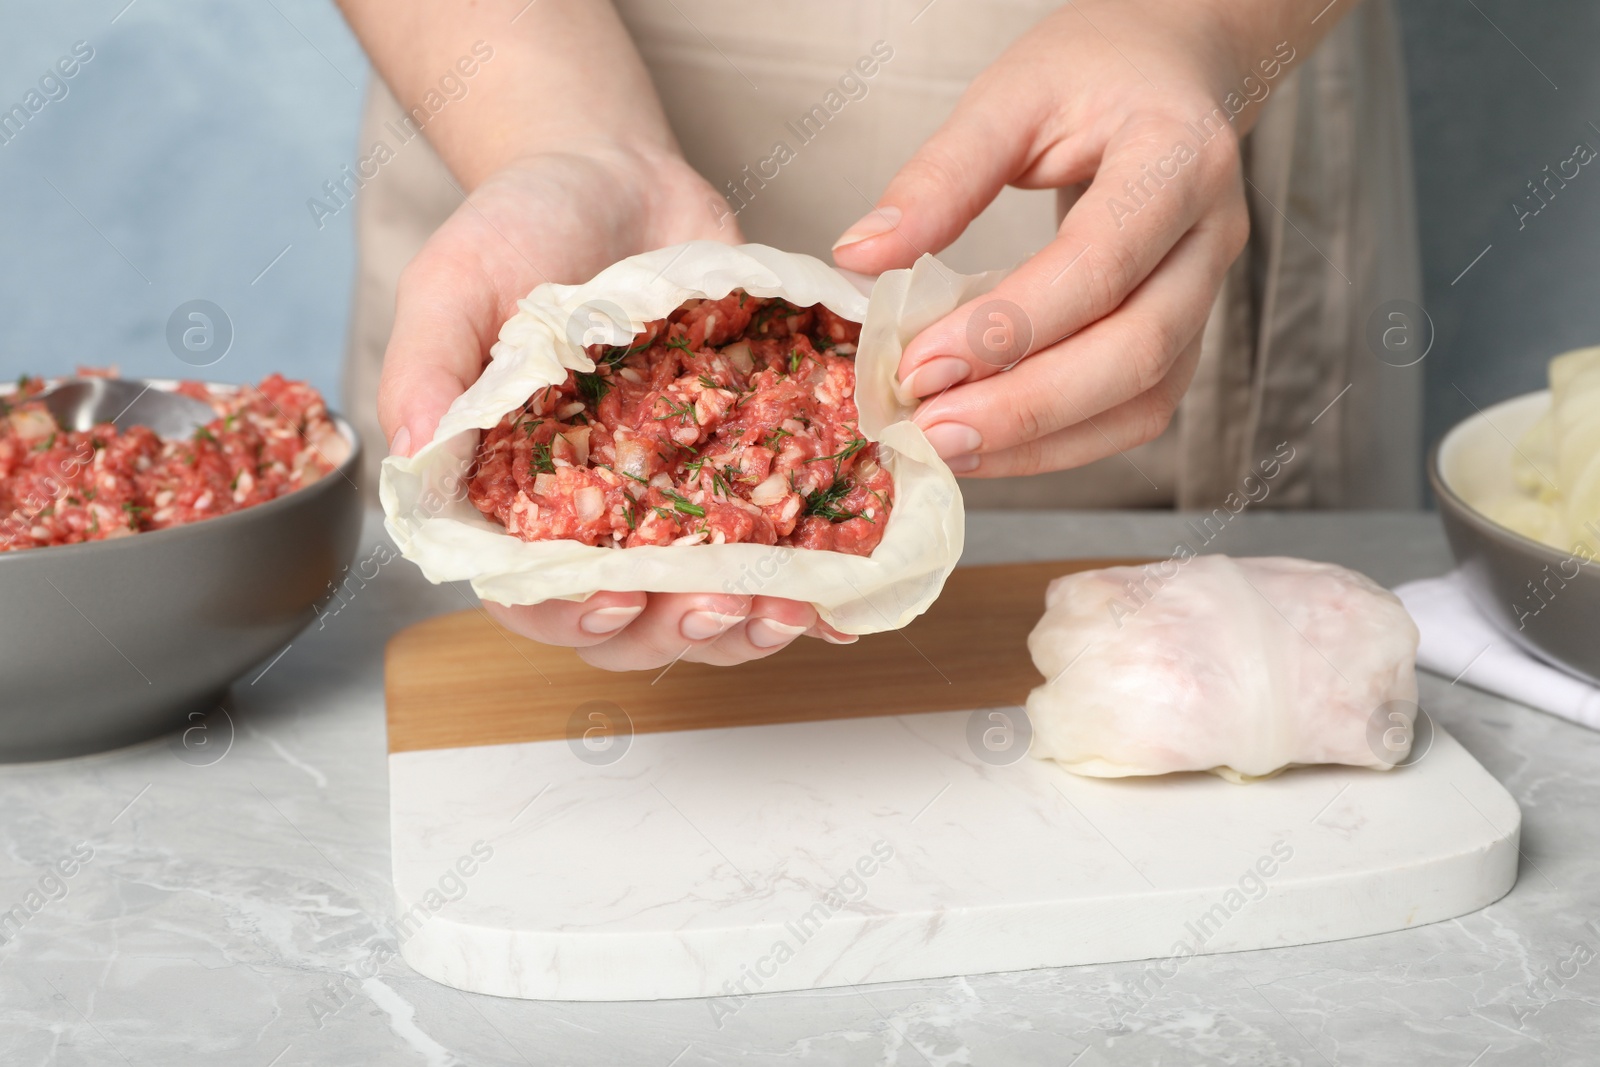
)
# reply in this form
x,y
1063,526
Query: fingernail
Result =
x,y
704,625
874,223
608,620
962,464
770,633
400,443
936,375
840,639
953,439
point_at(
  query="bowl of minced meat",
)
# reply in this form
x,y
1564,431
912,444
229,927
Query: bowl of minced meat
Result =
x,y
731,420
141,575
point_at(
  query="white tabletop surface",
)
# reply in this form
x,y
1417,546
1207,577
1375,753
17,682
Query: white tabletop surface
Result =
x,y
234,905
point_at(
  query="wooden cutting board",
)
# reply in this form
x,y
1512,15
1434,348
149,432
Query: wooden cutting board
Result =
x,y
838,814
462,680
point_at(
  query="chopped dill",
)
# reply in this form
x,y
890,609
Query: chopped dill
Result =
x,y
592,387
611,357
825,502
718,482
844,453
675,411
761,318
685,506
543,462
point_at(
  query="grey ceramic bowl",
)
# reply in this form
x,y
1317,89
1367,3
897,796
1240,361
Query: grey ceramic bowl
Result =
x,y
1546,600
111,642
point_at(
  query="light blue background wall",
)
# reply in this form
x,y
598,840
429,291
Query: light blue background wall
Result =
x,y
1486,121
190,142
194,137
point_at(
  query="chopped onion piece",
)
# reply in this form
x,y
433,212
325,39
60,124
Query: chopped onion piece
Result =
x,y
589,503
633,456
579,438
739,355
772,490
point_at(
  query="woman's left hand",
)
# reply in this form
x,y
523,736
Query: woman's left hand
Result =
x,y
1086,348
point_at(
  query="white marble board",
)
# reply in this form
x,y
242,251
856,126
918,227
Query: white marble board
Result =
x,y
724,862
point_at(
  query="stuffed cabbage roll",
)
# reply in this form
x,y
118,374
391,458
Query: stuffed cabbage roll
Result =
x,y
1241,667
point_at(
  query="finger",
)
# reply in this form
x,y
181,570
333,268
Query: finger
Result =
x,y
1122,356
822,631
570,623
445,319
942,188
1114,432
671,626
773,624
1113,237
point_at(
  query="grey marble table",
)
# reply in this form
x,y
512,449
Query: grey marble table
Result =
x,y
225,898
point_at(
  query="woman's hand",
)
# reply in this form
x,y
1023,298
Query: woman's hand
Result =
x,y
571,167
563,217
1087,347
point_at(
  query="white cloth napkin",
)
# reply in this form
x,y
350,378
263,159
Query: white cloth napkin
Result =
x,y
1460,644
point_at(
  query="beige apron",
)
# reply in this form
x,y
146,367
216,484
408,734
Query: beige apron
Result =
x,y
1333,228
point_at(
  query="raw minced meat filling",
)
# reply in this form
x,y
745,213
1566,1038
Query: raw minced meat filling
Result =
x,y
730,420
61,487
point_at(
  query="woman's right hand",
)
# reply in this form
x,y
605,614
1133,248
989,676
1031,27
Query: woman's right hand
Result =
x,y
562,217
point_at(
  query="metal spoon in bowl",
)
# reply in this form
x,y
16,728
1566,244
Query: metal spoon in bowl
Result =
x,y
83,403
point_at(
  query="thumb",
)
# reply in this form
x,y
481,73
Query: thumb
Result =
x,y
443,324
942,188
413,402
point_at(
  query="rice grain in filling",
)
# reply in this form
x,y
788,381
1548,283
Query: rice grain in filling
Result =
x,y
730,420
